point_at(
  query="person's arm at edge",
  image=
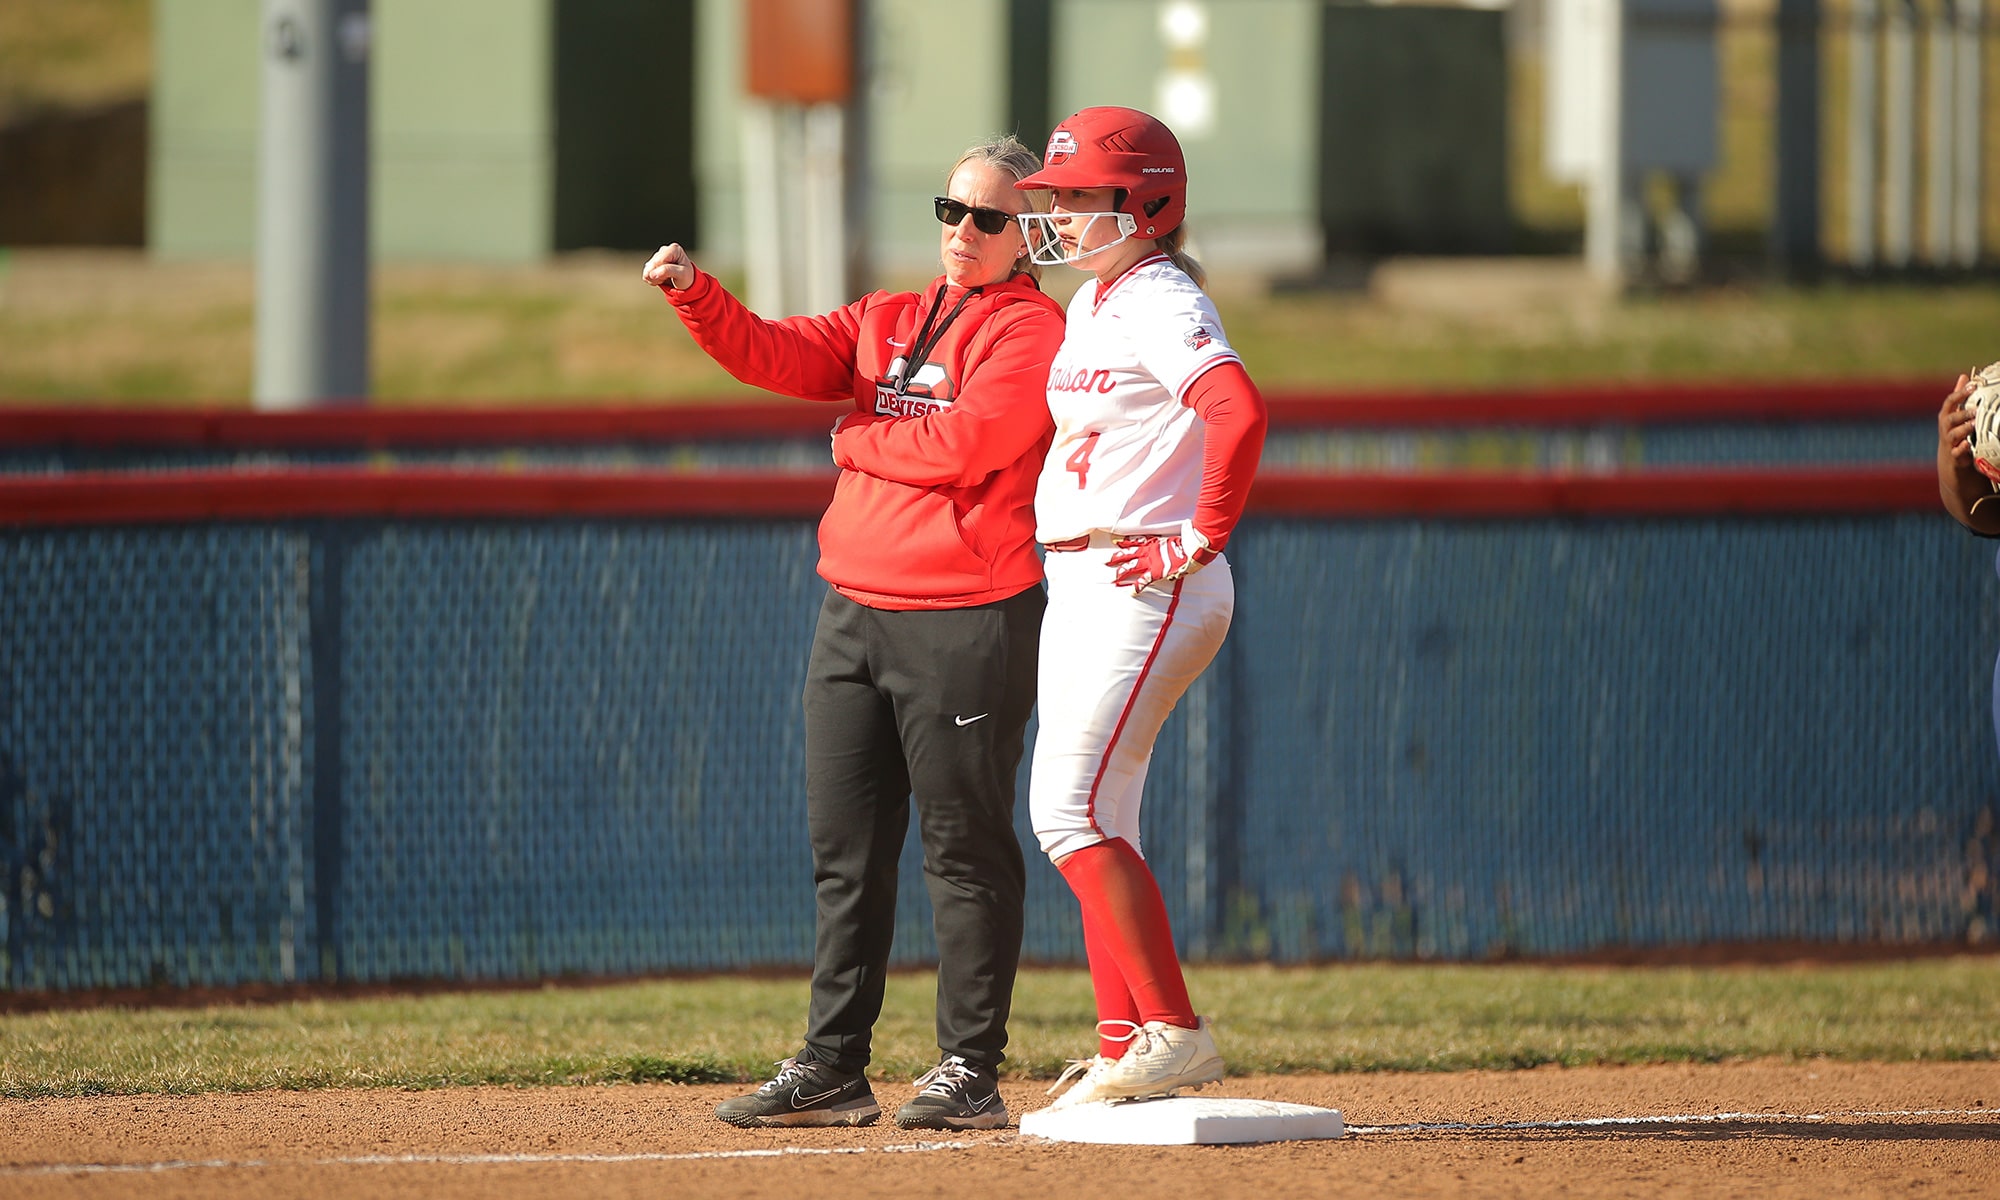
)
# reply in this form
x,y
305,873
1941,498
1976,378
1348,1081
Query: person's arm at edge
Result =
x,y
1968,496
1002,410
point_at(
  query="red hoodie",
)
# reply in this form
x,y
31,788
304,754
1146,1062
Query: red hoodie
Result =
x,y
934,507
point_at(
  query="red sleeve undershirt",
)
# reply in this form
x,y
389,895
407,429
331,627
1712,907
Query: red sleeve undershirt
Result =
x,y
1232,412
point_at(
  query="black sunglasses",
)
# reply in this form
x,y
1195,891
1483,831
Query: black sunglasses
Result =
x,y
988,221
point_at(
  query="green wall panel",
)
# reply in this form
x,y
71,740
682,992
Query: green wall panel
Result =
x,y
202,188
1252,177
941,85
488,147
462,129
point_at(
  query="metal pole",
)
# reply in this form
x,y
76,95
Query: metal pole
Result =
x,y
794,203
763,211
1863,36
857,156
312,209
1795,229
1939,142
1969,126
825,227
1605,216
1899,134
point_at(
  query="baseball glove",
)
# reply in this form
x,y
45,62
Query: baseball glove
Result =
x,y
1985,404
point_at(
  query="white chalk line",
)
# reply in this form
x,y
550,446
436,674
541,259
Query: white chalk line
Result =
x,y
391,1160
473,1160
1667,1119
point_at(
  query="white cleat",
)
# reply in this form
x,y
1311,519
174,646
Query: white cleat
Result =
x,y
1086,1090
1163,1059
1095,1069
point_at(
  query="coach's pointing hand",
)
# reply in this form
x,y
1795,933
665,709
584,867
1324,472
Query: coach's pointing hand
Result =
x,y
670,267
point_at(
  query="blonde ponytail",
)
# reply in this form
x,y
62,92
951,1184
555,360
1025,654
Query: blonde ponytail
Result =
x,y
1174,245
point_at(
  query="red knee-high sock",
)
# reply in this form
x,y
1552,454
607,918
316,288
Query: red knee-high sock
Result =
x,y
1120,897
1114,999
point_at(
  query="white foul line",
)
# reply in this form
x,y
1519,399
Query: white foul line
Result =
x,y
385,1160
1674,1119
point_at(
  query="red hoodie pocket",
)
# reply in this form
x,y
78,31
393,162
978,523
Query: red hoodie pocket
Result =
x,y
896,540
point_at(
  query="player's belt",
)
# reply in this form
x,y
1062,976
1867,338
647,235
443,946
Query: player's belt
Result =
x,y
1096,539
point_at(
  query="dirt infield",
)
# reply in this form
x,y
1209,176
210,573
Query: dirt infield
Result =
x,y
1815,1129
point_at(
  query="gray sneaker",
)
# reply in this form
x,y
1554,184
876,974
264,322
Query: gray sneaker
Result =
x,y
955,1094
804,1093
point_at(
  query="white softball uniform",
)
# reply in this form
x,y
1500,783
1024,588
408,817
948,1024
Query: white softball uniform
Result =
x,y
1127,452
1127,459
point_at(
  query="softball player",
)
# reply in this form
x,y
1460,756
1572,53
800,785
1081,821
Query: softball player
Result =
x,y
1969,496
1157,434
923,663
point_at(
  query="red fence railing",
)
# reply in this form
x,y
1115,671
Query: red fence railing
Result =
x,y
102,428
99,498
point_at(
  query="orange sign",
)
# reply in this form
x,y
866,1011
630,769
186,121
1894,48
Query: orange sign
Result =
x,y
800,51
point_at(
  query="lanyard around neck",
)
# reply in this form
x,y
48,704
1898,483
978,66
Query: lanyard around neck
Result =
x,y
927,339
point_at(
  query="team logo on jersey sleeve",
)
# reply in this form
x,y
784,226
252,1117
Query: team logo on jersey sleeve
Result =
x,y
1062,144
1198,337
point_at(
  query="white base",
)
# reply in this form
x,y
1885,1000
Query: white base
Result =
x,y
1184,1121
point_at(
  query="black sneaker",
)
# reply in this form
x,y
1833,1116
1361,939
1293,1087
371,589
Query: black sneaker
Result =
x,y
804,1093
955,1094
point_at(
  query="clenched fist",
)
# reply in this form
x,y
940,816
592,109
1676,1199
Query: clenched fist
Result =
x,y
670,267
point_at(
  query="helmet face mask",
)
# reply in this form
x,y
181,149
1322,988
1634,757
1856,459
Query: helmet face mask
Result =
x,y
1046,248
1120,148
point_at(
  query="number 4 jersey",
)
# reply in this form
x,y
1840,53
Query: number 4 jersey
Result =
x,y
1127,455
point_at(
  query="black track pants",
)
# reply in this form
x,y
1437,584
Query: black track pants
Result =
x,y
929,706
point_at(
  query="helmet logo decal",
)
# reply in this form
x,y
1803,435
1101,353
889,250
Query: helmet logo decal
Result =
x,y
1061,145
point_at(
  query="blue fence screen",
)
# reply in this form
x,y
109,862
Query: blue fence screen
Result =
x,y
372,751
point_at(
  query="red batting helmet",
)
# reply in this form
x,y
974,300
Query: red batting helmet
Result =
x,y
1120,148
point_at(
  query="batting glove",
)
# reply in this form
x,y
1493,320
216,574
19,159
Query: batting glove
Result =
x,y
1144,560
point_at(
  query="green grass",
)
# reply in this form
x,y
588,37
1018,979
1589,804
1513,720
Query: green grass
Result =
x,y
122,329
1728,333
1357,1018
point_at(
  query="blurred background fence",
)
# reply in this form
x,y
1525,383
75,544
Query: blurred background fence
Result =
x,y
379,720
